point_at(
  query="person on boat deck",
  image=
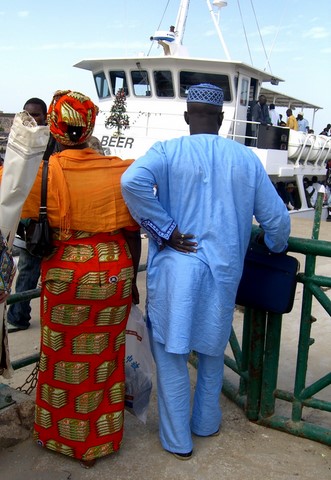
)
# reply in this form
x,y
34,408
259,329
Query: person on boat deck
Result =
x,y
273,114
88,285
326,130
328,173
199,233
286,193
281,121
310,192
292,200
260,114
303,123
291,120
316,186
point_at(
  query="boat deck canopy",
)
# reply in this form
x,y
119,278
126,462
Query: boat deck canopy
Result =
x,y
199,64
282,100
178,63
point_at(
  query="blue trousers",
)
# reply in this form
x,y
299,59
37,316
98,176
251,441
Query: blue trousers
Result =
x,y
18,314
176,423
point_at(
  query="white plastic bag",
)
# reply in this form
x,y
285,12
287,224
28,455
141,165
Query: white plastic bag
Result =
x,y
138,365
25,148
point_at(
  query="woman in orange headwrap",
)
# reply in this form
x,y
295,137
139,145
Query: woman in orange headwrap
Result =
x,y
87,286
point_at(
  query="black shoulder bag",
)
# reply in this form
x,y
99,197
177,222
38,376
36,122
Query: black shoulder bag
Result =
x,y
38,234
268,280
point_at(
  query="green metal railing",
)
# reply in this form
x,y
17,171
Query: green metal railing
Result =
x,y
255,359
256,362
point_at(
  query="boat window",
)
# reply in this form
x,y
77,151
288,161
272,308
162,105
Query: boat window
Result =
x,y
253,89
193,78
164,84
141,85
101,85
244,92
118,81
236,84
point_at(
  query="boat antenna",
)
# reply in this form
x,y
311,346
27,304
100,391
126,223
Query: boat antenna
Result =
x,y
158,28
274,41
219,4
181,20
243,25
258,27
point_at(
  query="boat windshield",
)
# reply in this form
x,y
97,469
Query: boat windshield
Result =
x,y
118,81
187,79
163,83
139,83
101,85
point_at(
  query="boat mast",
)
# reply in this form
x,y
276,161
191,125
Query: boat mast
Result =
x,y
181,20
182,17
215,17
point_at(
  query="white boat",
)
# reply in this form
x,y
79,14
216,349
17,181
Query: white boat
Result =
x,y
155,91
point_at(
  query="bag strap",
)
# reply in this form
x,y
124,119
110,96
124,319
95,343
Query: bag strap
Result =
x,y
43,198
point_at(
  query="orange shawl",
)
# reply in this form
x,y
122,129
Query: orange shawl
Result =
x,y
84,192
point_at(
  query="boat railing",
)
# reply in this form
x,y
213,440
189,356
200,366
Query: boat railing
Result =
x,y
325,153
140,121
312,150
303,149
237,126
256,358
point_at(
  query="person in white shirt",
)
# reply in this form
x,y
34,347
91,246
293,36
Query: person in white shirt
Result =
x,y
273,114
303,123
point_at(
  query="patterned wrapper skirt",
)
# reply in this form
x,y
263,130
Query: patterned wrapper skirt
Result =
x,y
85,303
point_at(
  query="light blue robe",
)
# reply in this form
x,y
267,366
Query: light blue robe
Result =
x,y
211,187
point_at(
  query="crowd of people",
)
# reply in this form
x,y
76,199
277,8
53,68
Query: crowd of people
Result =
x,y
268,115
195,262
290,195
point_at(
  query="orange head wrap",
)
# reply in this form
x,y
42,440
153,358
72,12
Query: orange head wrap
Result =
x,y
71,109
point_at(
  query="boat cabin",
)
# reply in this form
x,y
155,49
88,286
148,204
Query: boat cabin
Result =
x,y
155,91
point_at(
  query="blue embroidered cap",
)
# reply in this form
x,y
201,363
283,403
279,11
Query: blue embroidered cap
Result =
x,y
205,93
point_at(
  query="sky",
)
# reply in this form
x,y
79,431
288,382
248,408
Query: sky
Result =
x,y
41,41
